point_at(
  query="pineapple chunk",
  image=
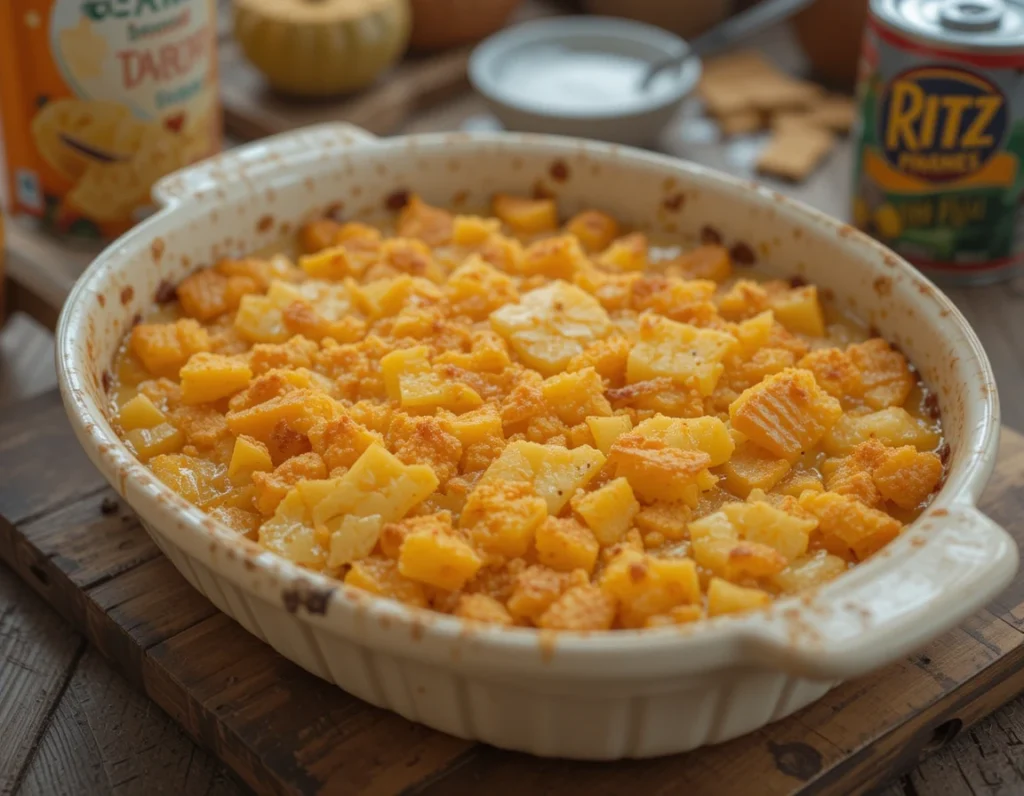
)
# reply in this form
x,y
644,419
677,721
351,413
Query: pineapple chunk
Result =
x,y
894,427
340,441
809,571
359,238
594,229
432,225
753,467
645,586
884,372
259,321
404,361
907,477
482,608
272,487
536,588
606,430
683,353
199,481
164,347
473,230
501,517
160,439
737,560
333,264
247,457
744,540
317,234
744,299
246,523
658,471
526,216
707,434
846,525
377,484
628,253
798,481
380,576
437,559
608,357
290,533
558,258
787,413
565,545
728,598
555,472
576,395
427,391
608,511
835,372
352,539
385,298
765,524
210,377
299,410
583,607
667,519
476,289
705,262
411,256
799,310
478,426
551,325
207,293
140,412
410,379
754,333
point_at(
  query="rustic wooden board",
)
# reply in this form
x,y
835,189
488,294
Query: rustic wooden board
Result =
x,y
283,731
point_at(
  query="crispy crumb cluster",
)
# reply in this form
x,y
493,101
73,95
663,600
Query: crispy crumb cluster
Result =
x,y
526,423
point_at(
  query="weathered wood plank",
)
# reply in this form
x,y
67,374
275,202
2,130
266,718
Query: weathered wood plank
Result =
x,y
37,654
105,737
41,464
984,760
275,723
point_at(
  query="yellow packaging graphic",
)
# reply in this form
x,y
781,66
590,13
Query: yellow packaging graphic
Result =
x,y
100,99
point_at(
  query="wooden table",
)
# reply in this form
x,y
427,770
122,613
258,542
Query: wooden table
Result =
x,y
69,724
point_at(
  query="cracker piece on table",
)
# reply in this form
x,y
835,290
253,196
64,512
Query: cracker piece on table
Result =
x,y
741,122
794,151
775,93
836,112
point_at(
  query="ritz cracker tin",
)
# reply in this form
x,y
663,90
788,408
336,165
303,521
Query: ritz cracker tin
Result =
x,y
939,166
101,98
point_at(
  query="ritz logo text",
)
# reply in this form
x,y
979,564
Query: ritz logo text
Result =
x,y
941,124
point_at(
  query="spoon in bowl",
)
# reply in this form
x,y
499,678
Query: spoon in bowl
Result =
x,y
761,17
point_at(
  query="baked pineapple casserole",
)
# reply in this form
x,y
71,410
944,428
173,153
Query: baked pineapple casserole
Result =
x,y
524,422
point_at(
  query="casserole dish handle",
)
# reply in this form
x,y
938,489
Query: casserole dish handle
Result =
x,y
253,161
878,614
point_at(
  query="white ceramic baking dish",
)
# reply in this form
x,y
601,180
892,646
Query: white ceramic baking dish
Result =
x,y
610,695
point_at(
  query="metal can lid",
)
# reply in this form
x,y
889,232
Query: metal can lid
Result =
x,y
993,25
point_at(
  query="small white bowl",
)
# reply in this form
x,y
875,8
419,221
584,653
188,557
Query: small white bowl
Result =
x,y
580,76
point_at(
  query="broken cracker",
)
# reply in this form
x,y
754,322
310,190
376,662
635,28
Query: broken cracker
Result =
x,y
723,99
741,122
781,92
794,151
738,63
835,113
